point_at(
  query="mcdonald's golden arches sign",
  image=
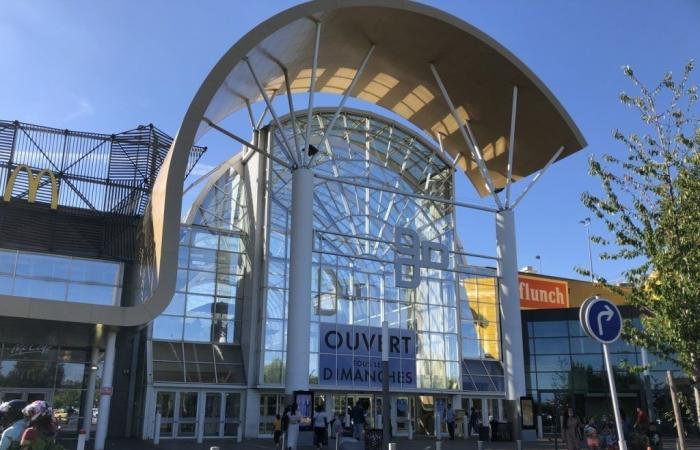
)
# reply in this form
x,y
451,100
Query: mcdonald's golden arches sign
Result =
x,y
33,181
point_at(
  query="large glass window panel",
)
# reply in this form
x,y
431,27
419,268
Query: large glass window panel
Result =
x,y
273,367
275,303
552,346
49,290
451,347
274,337
199,373
437,318
7,262
550,363
554,328
70,375
44,266
203,259
92,271
93,293
199,305
6,284
231,243
591,361
437,346
451,320
230,374
168,328
176,305
423,372
183,257
204,239
225,308
197,330
168,371
583,345
201,282
230,263
471,348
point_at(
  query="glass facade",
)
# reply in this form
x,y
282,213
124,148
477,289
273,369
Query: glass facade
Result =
x,y
60,278
564,367
353,277
197,338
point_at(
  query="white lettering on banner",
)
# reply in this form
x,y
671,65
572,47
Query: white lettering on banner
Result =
x,y
411,253
26,349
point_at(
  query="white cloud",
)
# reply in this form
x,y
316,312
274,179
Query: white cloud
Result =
x,y
82,108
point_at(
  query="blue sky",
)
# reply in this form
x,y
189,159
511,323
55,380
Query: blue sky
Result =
x,y
109,66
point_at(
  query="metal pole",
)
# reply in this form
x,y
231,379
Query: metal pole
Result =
x,y
300,260
105,391
386,419
156,432
676,411
312,88
613,393
90,392
509,299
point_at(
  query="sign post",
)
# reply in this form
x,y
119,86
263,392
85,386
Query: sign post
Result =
x,y
386,424
602,321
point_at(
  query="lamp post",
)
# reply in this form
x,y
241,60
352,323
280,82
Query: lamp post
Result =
x,y
539,260
587,224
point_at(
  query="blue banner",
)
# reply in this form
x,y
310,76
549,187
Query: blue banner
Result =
x,y
352,356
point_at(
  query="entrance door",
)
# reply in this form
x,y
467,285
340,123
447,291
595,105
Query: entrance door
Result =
x,y
198,414
186,418
212,414
401,409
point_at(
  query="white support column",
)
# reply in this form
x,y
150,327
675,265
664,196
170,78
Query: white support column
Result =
x,y
105,391
90,392
300,259
511,326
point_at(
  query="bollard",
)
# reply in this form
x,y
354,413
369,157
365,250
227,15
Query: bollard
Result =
x,y
438,445
410,429
480,445
519,444
393,446
239,434
337,441
213,448
540,430
465,426
81,440
156,432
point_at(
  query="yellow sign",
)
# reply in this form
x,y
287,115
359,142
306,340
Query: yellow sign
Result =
x,y
33,184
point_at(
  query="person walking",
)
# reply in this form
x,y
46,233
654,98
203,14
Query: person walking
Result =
x,y
13,423
641,424
358,421
571,430
277,431
293,430
473,422
320,427
450,419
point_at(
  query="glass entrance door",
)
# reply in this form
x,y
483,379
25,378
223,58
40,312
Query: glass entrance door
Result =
x,y
187,414
212,414
198,414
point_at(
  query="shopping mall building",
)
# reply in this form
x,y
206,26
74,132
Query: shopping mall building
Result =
x,y
203,320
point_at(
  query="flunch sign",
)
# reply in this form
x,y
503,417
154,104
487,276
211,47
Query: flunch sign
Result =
x,y
543,293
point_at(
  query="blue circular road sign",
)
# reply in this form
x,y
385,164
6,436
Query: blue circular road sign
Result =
x,y
601,320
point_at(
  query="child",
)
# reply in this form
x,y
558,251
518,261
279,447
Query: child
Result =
x,y
277,430
591,434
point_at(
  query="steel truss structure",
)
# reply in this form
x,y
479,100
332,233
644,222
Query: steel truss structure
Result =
x,y
95,173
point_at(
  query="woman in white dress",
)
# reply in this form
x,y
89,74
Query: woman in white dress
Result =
x,y
293,430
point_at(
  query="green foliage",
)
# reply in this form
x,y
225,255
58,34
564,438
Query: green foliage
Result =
x,y
650,206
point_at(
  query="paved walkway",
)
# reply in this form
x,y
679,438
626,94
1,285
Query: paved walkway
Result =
x,y
402,444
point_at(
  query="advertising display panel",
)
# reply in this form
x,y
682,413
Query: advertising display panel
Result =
x,y
352,356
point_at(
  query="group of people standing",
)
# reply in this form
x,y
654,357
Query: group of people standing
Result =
x,y
28,426
286,426
602,434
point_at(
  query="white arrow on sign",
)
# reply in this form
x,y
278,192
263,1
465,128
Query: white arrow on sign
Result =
x,y
608,313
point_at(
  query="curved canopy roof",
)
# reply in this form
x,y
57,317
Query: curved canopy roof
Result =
x,y
478,74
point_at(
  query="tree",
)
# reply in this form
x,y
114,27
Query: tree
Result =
x,y
650,205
